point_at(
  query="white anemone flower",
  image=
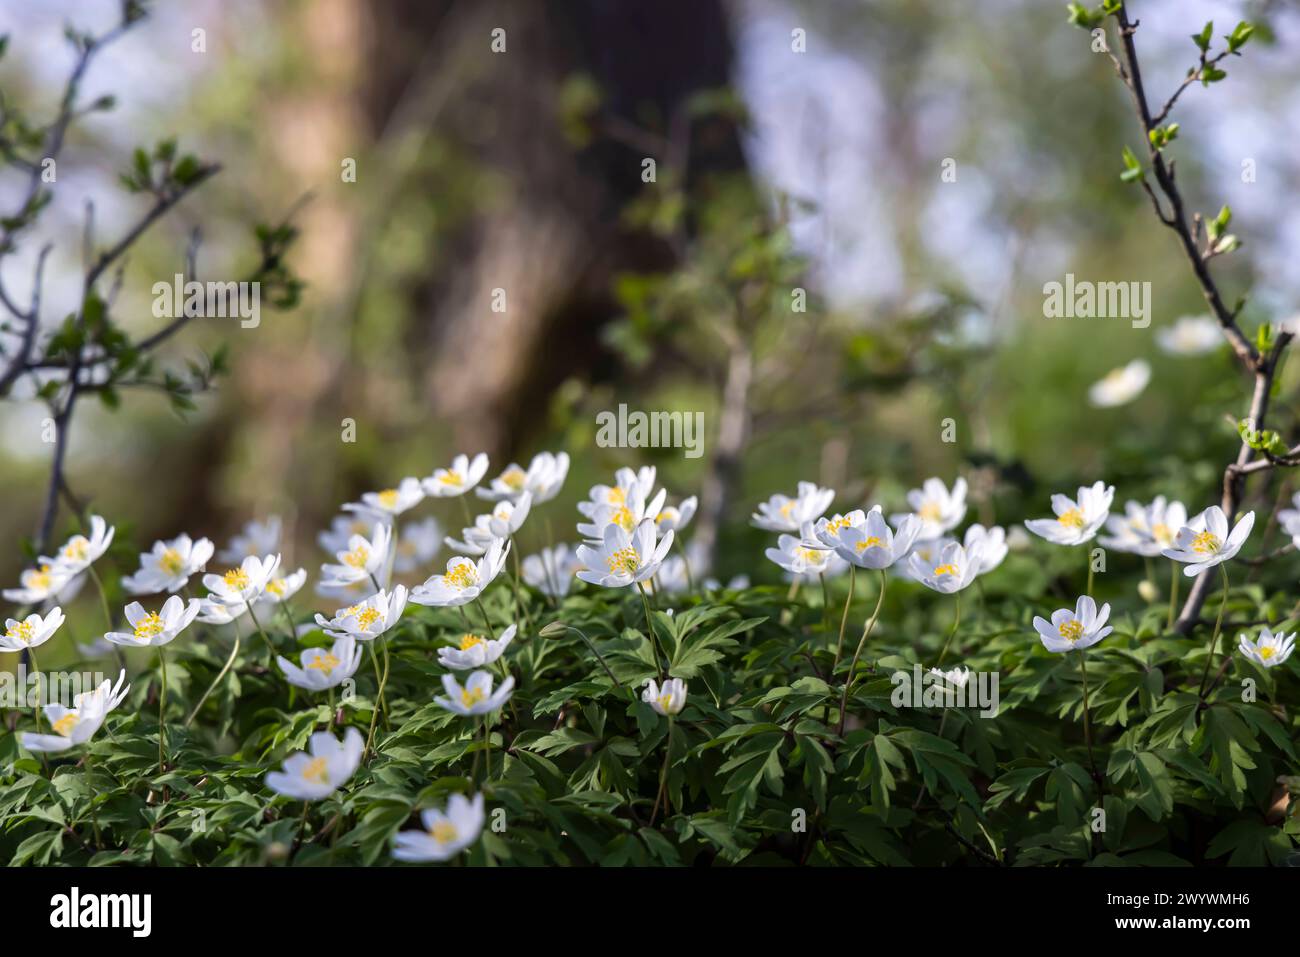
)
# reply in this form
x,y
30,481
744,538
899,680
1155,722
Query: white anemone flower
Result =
x,y
464,580
957,677
865,538
342,528
1288,518
1145,529
32,632
954,569
780,513
675,518
799,557
214,612
1190,336
445,834
475,540
476,697
71,726
364,559
169,565
368,619
1077,520
634,510
79,552
993,545
624,557
1120,386
543,478
417,545
938,508
927,551
256,538
1074,630
616,494
1205,541
107,696
323,668
1269,650
390,502
244,584
463,475
475,651
281,588
552,570
155,628
321,770
46,582
667,700
507,517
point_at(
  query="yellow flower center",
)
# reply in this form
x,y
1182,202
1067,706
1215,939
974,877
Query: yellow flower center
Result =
x,y
1206,543
625,559
1266,652
469,698
949,569
462,575
77,549
810,555
41,579
444,832
616,496
1071,630
388,498
368,616
451,477
624,519
469,641
514,478
150,626
1161,533
236,579
317,769
837,523
787,508
65,725
666,701
276,587
358,557
171,562
1071,518
23,631
931,512
871,542
326,663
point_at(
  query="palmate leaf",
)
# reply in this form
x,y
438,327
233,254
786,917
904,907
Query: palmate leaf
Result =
x,y
1227,740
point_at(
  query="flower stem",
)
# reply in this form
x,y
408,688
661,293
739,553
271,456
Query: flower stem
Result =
x,y
649,623
598,655
1175,572
36,670
486,623
844,618
1087,717
162,697
1214,638
686,562
225,669
955,622
379,695
662,794
528,618
261,631
866,633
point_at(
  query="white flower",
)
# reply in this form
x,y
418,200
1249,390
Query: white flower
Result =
x,y
390,502
214,612
936,507
364,558
153,628
71,726
623,557
342,528
106,697
668,700
79,552
1145,530
866,540
674,519
1190,336
445,834
1120,386
417,545
954,570
799,557
780,513
257,538
43,583
506,516
957,677
1205,542
1288,518
476,697
457,480
927,551
616,494
464,579
475,651
1076,520
324,668
310,776
1268,649
543,479
476,539
169,565
368,619
993,545
634,510
281,588
1074,630
32,632
551,571
239,586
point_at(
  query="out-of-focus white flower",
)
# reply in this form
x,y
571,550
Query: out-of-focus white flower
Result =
x,y
1076,520
1288,518
674,519
475,651
799,557
417,545
551,571
445,834
1145,529
390,502
1120,386
369,619
320,771
954,570
214,612
1074,630
365,558
616,494
169,565
938,508
1269,650
1205,541
780,513
464,580
257,538
281,588
79,552
668,700
342,528
476,697
154,628
45,582
543,479
463,475
324,668
623,557
474,540
993,545
97,647
244,584
1190,336
32,632
866,540
507,517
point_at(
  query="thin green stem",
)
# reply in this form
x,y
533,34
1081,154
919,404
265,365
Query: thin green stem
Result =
x,y
866,633
162,697
662,795
1087,716
486,622
1214,638
518,582
844,618
225,669
381,679
955,622
260,630
36,670
649,623
1175,573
